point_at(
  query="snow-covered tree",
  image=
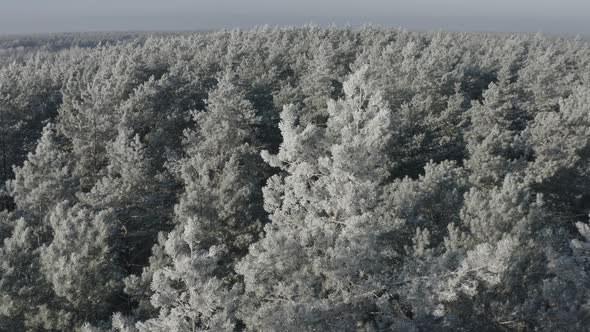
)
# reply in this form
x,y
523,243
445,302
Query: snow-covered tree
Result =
x,y
302,274
46,177
560,142
495,144
25,295
80,262
218,216
443,187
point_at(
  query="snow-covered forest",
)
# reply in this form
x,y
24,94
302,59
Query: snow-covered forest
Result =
x,y
295,179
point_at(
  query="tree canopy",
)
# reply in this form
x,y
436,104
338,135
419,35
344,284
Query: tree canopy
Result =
x,y
295,179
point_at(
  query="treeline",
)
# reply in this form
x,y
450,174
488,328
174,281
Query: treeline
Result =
x,y
297,179
22,47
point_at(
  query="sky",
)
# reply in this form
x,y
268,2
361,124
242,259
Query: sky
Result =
x,y
549,16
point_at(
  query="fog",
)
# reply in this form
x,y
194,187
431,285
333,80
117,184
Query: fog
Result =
x,y
35,16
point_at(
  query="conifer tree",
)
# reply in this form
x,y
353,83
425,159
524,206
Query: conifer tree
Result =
x,y
44,181
131,188
24,292
302,275
560,142
46,178
29,96
445,187
218,216
80,262
502,232
495,144
90,111
319,83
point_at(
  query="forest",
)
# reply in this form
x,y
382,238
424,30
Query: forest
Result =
x,y
295,179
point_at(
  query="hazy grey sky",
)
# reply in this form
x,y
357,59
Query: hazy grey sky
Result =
x,y
501,15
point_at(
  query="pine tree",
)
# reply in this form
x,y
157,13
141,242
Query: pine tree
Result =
x,y
24,292
446,187
90,112
495,144
560,142
157,111
218,216
29,96
46,178
502,232
302,274
319,84
547,75
44,181
133,190
80,262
